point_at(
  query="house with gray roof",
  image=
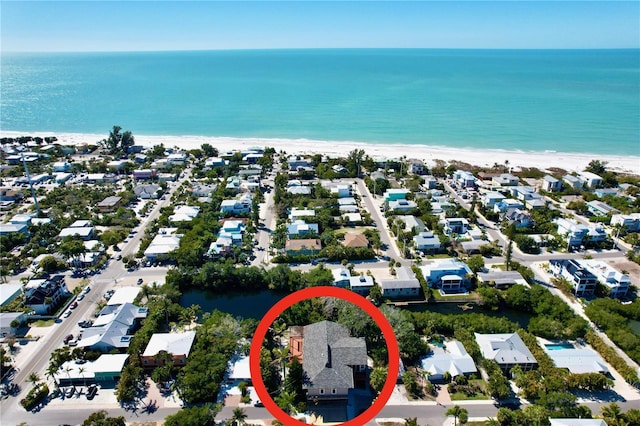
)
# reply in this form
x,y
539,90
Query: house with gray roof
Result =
x,y
404,286
113,327
333,361
551,184
506,349
577,360
501,279
427,241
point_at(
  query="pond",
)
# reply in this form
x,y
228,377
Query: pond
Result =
x,y
246,305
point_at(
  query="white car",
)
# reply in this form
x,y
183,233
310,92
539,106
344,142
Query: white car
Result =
x,y
66,314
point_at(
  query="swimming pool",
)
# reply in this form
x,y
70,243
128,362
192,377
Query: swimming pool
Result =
x,y
559,346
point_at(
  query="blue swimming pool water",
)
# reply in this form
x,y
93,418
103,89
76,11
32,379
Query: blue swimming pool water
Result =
x,y
559,346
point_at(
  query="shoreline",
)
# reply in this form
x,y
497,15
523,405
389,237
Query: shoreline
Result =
x,y
428,153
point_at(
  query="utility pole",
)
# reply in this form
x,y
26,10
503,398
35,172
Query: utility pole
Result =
x,y
33,192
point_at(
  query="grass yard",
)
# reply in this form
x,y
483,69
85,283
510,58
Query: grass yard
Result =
x,y
480,393
43,323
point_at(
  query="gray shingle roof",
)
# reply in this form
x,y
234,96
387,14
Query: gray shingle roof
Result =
x,y
329,351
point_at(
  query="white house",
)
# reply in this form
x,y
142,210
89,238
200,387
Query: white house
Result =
x,y
508,350
6,321
402,205
297,214
575,272
491,198
591,180
427,241
551,184
446,274
617,282
162,244
184,213
112,328
575,233
464,179
405,285
454,225
573,181
452,359
600,208
342,190
630,222
300,227
177,344
505,179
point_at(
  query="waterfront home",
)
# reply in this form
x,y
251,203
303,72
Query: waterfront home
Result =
x,y
577,361
630,222
162,244
551,184
600,208
178,158
298,164
416,167
582,280
616,282
303,247
334,362
215,162
427,241
590,180
361,284
446,274
177,344
404,286
501,279
300,227
507,350
452,358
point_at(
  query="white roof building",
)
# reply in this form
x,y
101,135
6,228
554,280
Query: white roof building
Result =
x,y
577,422
507,349
165,242
453,359
124,295
577,361
184,213
174,343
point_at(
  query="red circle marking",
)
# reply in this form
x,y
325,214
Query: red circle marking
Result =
x,y
324,291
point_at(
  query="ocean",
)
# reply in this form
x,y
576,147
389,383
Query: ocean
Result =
x,y
577,101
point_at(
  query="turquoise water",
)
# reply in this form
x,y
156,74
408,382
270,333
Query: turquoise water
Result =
x,y
559,346
531,100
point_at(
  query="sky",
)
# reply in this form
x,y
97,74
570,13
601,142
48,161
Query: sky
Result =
x,y
81,26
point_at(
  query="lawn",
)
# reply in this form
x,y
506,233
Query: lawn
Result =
x,y
481,393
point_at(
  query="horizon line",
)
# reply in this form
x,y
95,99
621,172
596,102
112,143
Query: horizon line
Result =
x,y
2,52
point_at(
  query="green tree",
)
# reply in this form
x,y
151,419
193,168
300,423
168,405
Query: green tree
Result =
x,y
611,413
458,413
118,142
192,416
412,421
476,263
238,417
377,378
101,418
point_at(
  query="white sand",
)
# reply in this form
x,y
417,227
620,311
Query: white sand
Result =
x,y
542,160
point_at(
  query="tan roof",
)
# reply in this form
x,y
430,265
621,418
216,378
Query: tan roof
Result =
x,y
355,240
309,244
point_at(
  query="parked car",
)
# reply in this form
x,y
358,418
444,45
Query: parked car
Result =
x,y
66,314
92,391
74,305
140,281
80,297
67,338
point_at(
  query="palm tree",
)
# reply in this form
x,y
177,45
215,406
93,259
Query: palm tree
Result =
x,y
413,421
458,413
81,370
612,413
286,401
33,378
239,416
51,372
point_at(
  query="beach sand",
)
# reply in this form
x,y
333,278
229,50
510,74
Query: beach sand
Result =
x,y
485,158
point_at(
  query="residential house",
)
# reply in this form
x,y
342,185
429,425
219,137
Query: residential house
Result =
x,y
299,189
62,177
162,244
203,190
491,198
591,180
124,295
342,190
464,179
300,227
427,241
454,225
110,204
430,182
105,370
303,247
507,350
44,295
147,191
341,277
401,205
404,286
416,167
176,344
9,293
297,214
505,179
452,359
215,162
520,218
61,166
117,164
501,279
361,284
616,282
10,195
580,278
603,192
339,168
630,222
179,158
83,232
573,181
551,184
334,362
355,240
446,274
395,194
7,325
12,228
411,223
184,213
237,207
600,208
575,233
298,164
144,174
113,328
577,360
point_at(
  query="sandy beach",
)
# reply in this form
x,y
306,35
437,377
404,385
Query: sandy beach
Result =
x,y
542,160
